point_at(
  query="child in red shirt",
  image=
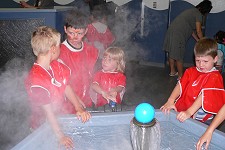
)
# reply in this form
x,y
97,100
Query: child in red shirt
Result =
x,y
98,33
79,56
109,83
200,91
47,84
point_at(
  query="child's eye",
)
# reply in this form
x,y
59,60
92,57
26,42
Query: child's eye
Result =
x,y
75,33
71,33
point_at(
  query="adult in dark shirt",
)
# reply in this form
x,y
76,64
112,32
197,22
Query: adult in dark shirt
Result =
x,y
38,4
188,23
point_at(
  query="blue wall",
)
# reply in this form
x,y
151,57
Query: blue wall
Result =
x,y
155,26
158,21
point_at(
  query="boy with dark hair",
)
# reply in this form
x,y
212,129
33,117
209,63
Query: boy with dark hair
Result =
x,y
78,55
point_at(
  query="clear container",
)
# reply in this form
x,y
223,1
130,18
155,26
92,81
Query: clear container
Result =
x,y
145,136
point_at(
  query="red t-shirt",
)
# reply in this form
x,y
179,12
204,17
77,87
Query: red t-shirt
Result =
x,y
106,37
46,87
81,62
194,83
107,80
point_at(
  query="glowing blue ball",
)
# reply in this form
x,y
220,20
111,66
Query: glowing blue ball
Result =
x,y
144,113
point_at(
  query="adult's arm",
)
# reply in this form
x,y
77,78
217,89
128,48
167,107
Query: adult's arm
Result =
x,y
198,31
26,5
44,4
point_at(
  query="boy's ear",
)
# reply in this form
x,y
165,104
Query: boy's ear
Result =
x,y
65,29
86,30
215,59
52,49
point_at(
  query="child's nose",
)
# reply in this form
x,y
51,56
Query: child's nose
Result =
x,y
75,35
201,63
104,61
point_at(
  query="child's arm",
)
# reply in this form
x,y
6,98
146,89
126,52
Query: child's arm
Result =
x,y
113,92
63,140
78,104
183,115
170,104
99,90
117,89
207,136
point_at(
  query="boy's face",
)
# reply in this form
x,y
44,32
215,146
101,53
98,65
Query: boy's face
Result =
x,y
205,63
75,36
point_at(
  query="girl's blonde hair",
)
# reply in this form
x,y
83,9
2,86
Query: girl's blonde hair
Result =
x,y
117,54
43,39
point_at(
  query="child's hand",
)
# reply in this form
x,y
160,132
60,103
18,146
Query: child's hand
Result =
x,y
206,138
67,142
183,115
167,107
83,115
112,95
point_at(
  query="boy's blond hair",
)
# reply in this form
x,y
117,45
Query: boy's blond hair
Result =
x,y
43,39
206,47
117,54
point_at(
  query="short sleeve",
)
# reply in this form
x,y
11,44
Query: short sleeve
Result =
x,y
213,99
122,80
97,77
40,96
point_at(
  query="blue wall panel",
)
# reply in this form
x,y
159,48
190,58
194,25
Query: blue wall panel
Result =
x,y
215,22
155,26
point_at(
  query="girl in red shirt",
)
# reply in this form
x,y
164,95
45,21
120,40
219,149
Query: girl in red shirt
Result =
x,y
109,83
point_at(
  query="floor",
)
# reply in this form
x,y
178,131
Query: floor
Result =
x,y
147,84
144,84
